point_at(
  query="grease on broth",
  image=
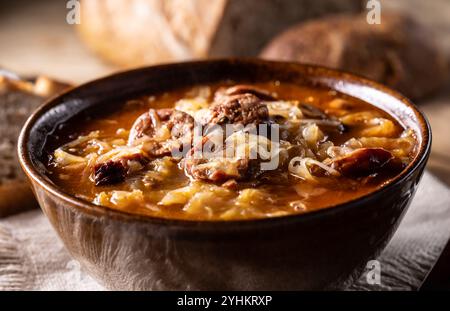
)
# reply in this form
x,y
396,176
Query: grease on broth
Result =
x,y
333,148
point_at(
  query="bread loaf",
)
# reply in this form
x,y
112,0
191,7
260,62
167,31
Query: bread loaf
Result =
x,y
398,52
18,98
139,32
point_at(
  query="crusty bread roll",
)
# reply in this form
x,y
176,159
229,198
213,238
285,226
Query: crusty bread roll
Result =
x,y
18,98
137,32
398,52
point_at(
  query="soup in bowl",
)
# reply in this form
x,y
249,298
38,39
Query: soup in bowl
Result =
x,y
228,174
231,151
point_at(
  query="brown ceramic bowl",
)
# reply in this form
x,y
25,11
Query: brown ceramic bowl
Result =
x,y
320,250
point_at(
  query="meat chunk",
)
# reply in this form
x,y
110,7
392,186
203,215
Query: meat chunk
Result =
x,y
230,171
178,130
164,114
240,104
215,170
116,170
200,165
367,161
181,125
239,109
108,173
231,184
146,124
216,167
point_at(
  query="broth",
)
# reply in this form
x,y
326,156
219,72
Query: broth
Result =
x,y
331,148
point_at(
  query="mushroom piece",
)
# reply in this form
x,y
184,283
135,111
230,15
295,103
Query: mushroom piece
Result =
x,y
366,161
311,113
241,89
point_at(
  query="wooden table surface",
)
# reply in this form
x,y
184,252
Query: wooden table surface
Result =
x,y
35,39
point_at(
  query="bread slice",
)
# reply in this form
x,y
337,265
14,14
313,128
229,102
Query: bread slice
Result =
x,y
18,98
138,32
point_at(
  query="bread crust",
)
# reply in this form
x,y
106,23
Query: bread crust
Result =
x,y
137,32
18,98
133,33
399,52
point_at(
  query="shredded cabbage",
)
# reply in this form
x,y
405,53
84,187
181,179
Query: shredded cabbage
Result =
x,y
301,168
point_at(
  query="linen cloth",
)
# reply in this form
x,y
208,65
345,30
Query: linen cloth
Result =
x,y
33,258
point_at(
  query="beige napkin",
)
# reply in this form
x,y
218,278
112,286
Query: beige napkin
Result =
x,y
33,258
418,242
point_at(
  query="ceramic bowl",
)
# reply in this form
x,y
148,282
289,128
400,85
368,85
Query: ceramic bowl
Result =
x,y
325,249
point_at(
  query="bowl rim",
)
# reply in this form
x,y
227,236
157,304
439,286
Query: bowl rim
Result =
x,y
36,177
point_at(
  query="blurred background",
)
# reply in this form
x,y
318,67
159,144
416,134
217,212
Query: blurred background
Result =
x,y
408,50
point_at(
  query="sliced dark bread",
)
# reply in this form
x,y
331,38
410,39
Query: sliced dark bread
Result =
x,y
18,98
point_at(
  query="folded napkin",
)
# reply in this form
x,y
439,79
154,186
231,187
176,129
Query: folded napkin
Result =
x,y
33,258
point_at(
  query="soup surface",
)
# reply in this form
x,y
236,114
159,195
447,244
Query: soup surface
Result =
x,y
230,151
